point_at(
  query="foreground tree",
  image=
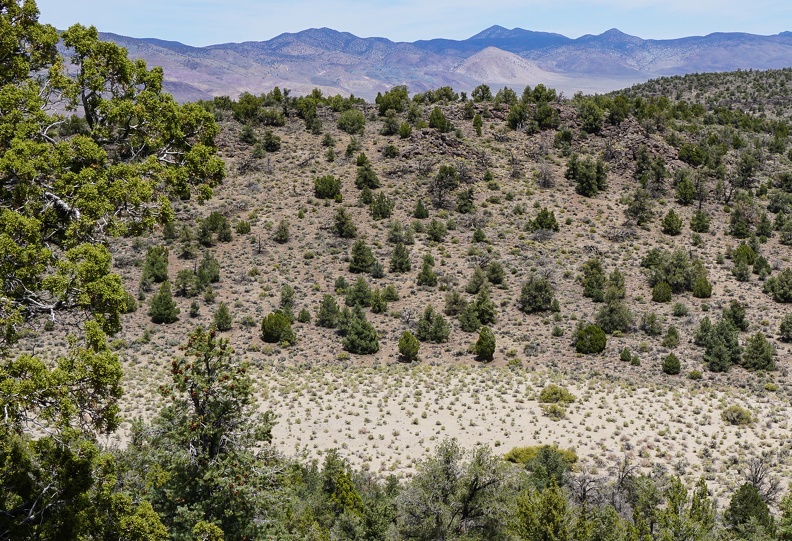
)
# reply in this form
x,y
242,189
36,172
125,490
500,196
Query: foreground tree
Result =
x,y
210,444
449,497
69,185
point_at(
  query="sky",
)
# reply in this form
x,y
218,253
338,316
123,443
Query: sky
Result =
x,y
206,22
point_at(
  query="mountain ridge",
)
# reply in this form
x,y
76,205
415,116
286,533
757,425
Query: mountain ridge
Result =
x,y
341,62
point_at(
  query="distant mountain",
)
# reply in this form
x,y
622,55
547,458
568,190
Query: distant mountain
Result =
x,y
340,62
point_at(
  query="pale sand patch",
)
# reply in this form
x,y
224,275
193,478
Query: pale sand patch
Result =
x,y
385,418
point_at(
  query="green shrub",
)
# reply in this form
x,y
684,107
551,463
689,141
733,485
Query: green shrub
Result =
x,y
785,328
162,308
524,455
432,327
671,364
759,354
361,258
327,187
736,415
222,318
361,337
485,345
672,223
243,227
276,329
780,287
661,292
553,394
536,295
409,346
352,122
590,339
556,412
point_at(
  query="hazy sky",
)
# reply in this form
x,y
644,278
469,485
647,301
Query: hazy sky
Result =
x,y
204,22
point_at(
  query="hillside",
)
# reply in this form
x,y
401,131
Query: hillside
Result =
x,y
495,317
339,62
513,175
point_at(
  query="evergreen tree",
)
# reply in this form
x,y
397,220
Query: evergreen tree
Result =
x,y
155,267
162,308
746,505
438,121
327,315
477,280
432,327
685,190
468,318
485,308
381,207
672,223
361,258
359,294
722,348
366,177
536,295
420,211
208,270
276,329
282,232
222,318
495,273
465,201
594,280
671,365
361,337
590,176
343,225
485,345
427,276
699,222
409,346
589,339
785,328
759,353
400,259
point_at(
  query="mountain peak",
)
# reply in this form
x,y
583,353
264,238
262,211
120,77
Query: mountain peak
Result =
x,y
494,32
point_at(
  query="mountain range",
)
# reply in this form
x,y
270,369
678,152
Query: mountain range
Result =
x,y
340,62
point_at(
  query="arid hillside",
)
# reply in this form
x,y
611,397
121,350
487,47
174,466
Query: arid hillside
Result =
x,y
492,203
